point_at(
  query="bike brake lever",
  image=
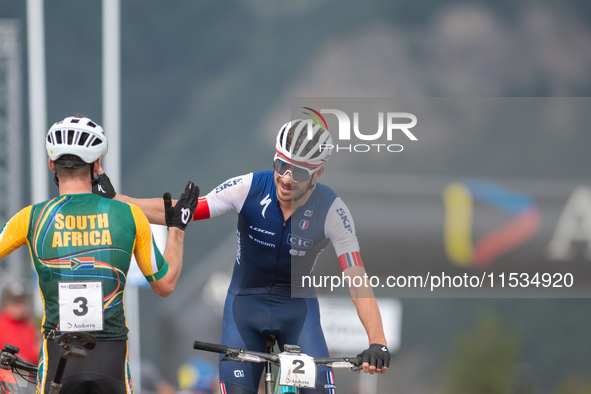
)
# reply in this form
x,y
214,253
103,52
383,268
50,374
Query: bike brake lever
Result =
x,y
355,360
6,360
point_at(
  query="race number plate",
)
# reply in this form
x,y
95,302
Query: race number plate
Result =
x,y
81,306
297,370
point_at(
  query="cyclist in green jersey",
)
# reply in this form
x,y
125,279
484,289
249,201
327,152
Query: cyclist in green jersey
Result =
x,y
81,245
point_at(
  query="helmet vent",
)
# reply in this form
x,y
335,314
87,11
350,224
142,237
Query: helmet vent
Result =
x,y
303,145
58,137
70,137
282,134
97,141
75,121
83,139
91,124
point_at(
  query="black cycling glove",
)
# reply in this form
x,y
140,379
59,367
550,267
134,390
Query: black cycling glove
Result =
x,y
376,355
181,214
103,186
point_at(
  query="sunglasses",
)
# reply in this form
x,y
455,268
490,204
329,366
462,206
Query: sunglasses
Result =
x,y
298,174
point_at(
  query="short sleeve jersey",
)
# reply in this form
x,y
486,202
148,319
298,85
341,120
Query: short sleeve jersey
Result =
x,y
271,250
85,237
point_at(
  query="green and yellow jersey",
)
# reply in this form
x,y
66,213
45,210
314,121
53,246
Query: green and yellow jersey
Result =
x,y
81,246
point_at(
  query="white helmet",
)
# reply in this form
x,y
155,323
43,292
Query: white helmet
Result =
x,y
296,143
76,136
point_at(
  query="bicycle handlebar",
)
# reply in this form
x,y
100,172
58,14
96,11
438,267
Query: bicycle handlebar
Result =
x,y
25,366
357,361
232,354
210,347
8,357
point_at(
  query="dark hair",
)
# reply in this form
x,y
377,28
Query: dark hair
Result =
x,y
71,166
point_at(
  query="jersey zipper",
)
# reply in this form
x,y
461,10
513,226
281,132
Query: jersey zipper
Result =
x,y
281,241
278,254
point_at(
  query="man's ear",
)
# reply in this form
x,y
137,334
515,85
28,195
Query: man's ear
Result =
x,y
97,166
318,173
51,164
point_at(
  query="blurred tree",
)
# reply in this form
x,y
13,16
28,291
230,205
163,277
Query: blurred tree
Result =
x,y
484,359
574,385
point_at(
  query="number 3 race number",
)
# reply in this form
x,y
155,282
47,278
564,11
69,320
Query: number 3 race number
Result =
x,y
80,306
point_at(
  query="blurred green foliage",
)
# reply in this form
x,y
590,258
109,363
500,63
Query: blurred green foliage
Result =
x,y
574,385
484,360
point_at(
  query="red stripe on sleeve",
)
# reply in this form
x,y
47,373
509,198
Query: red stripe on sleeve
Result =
x,y
202,211
343,262
357,258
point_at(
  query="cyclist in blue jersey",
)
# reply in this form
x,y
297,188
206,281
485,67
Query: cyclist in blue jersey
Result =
x,y
285,220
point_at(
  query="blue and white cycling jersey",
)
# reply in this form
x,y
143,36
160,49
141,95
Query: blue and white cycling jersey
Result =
x,y
272,250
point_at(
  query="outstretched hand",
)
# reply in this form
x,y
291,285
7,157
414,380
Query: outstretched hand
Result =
x,y
181,214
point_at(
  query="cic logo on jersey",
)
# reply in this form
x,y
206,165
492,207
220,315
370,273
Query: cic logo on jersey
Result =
x,y
390,126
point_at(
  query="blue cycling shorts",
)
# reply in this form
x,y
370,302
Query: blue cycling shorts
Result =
x,y
250,319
